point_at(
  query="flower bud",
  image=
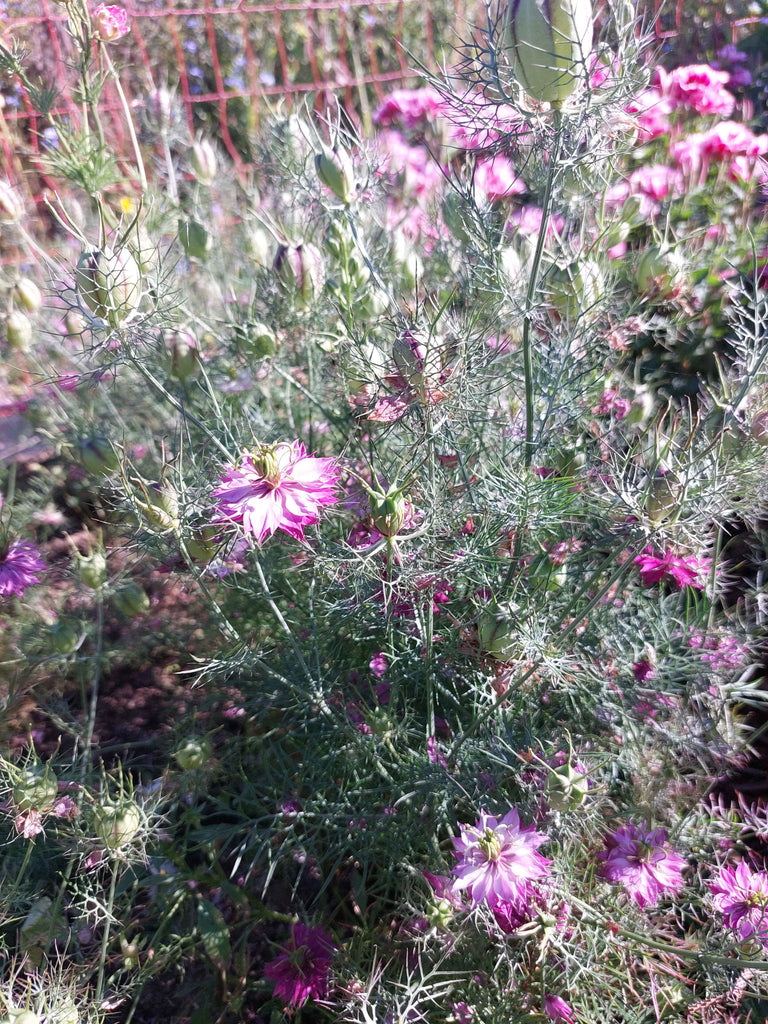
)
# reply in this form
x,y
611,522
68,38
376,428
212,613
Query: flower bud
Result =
x,y
27,294
159,506
547,43
334,168
130,601
300,272
203,160
118,823
18,331
11,207
258,245
184,353
194,238
109,284
35,789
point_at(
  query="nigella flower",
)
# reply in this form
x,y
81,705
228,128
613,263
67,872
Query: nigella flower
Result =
x,y
110,23
558,1010
277,487
642,862
496,860
656,568
741,896
302,970
20,563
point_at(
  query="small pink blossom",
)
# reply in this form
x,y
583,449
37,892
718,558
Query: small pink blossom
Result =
x,y
699,86
411,108
651,111
378,664
658,568
29,823
496,860
20,565
741,896
496,178
277,487
302,971
642,862
110,23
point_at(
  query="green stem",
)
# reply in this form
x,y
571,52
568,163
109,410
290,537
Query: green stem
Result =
x,y
533,281
105,938
128,121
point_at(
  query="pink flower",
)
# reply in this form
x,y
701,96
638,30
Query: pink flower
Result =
x,y
20,563
558,1010
302,970
497,178
655,568
378,664
642,862
741,896
651,111
409,107
29,823
497,859
277,487
699,86
110,23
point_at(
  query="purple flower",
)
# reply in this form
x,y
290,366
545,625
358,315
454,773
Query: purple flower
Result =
x,y
655,568
20,562
741,896
558,1010
277,487
302,970
497,859
642,862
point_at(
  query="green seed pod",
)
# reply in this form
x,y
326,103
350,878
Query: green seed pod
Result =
x,y
184,353
109,284
193,754
63,638
257,339
118,823
98,456
92,569
547,43
576,289
18,331
194,238
27,294
130,601
35,789
335,170
664,497
567,789
202,159
660,272
497,633
11,207
388,513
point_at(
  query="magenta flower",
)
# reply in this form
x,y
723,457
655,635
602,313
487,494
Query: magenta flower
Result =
x,y
699,86
277,487
657,568
497,859
741,896
110,23
20,563
558,1010
642,862
302,970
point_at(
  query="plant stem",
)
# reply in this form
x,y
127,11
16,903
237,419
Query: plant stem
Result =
x,y
533,281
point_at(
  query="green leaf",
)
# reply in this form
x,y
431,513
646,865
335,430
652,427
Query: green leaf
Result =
x,y
214,933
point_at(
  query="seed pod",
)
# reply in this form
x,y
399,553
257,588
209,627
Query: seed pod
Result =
x,y
62,638
300,272
388,513
664,496
130,601
27,294
334,168
194,238
98,456
497,633
118,823
567,788
18,331
193,754
547,43
184,353
93,569
11,208
576,289
203,161
35,789
109,284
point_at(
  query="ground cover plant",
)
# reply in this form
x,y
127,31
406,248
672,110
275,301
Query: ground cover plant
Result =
x,y
430,466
